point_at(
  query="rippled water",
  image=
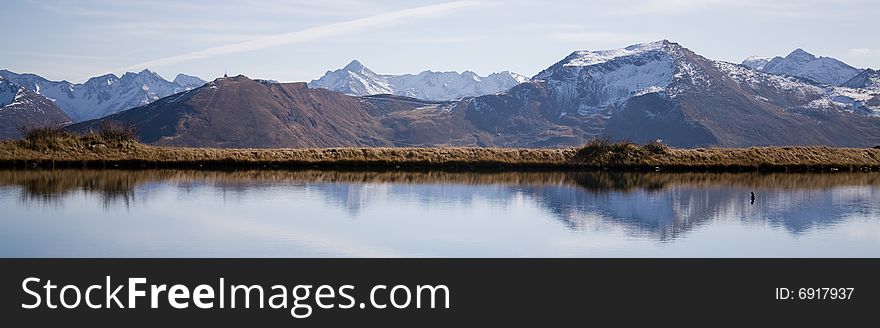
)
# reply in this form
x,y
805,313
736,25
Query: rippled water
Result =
x,y
93,213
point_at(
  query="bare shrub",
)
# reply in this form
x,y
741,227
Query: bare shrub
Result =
x,y
115,132
46,138
607,151
656,147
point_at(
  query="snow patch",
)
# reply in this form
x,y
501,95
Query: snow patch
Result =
x,y
589,58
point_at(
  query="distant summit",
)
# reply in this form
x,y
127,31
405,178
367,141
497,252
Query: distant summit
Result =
x,y
756,62
802,64
188,81
357,80
354,66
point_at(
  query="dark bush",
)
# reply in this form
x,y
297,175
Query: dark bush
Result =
x,y
876,147
46,138
43,132
656,147
605,150
594,148
109,134
113,131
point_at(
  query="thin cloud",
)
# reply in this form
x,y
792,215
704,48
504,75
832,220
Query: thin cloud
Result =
x,y
133,10
309,34
864,52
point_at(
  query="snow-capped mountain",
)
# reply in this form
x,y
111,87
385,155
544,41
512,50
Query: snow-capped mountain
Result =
x,y
354,79
590,81
756,62
357,80
103,95
843,84
802,64
661,90
20,107
188,82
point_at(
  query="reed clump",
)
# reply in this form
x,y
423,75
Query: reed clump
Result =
x,y
605,151
110,134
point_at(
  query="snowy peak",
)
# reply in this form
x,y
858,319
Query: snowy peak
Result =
x,y
590,81
151,74
503,75
353,79
595,57
756,62
356,79
637,55
188,82
107,79
800,54
354,66
802,64
146,76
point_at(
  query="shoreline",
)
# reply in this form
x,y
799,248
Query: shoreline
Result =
x,y
625,158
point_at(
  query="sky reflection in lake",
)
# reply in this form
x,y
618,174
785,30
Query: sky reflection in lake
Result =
x,y
90,213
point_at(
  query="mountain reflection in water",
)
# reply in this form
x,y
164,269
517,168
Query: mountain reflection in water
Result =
x,y
655,206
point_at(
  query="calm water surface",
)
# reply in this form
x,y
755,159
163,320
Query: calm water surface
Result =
x,y
86,213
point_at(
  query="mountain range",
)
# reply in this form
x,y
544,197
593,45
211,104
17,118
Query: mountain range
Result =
x,y
644,92
103,95
356,80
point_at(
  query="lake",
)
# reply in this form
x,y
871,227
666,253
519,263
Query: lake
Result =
x,y
173,213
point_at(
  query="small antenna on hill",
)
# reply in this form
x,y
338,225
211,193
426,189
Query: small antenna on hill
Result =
x,y
225,74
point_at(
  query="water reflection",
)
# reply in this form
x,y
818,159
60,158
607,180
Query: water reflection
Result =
x,y
662,207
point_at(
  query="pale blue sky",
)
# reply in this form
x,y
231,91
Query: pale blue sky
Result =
x,y
299,40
